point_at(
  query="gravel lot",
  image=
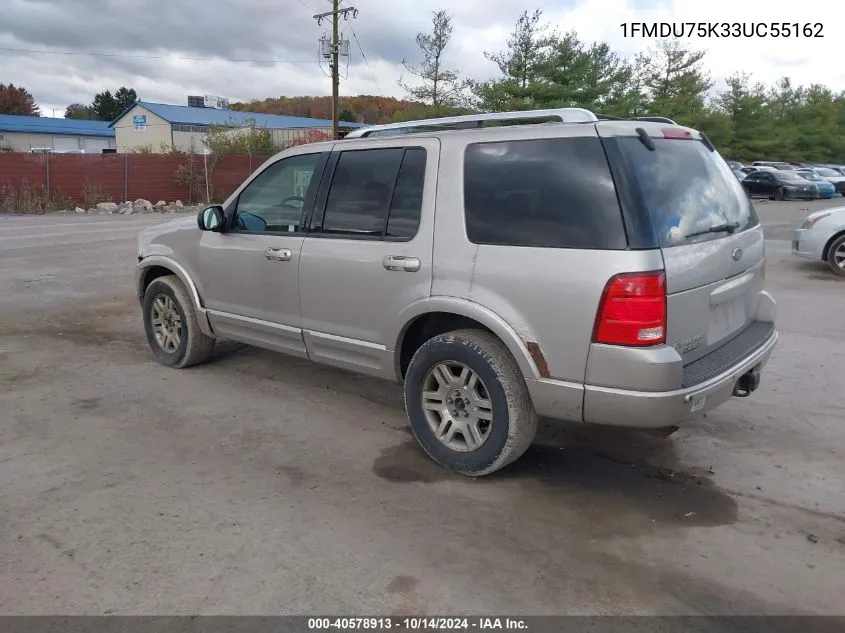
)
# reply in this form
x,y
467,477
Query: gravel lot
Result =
x,y
261,484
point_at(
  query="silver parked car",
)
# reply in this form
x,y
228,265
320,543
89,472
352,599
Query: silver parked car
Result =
x,y
503,267
821,237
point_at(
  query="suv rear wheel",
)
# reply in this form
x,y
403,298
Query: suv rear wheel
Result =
x,y
171,324
468,403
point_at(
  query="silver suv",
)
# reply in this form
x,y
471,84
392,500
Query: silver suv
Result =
x,y
503,267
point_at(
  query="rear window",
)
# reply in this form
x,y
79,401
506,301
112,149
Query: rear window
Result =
x,y
686,189
555,193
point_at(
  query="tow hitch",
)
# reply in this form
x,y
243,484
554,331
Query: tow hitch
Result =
x,y
747,383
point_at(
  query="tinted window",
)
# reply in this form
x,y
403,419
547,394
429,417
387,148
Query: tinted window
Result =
x,y
790,175
359,198
686,188
549,192
274,201
406,207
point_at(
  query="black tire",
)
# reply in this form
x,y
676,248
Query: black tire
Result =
x,y
514,421
194,346
831,253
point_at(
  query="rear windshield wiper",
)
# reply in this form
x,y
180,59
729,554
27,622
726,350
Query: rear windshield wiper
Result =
x,y
730,227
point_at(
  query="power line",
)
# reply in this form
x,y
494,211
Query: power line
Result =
x,y
195,59
366,61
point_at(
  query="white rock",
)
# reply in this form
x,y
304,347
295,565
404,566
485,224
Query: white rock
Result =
x,y
161,203
178,203
108,207
127,210
140,202
79,210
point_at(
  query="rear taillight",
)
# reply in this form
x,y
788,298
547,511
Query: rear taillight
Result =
x,y
632,311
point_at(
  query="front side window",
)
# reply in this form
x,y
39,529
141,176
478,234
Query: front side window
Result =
x,y
554,193
275,200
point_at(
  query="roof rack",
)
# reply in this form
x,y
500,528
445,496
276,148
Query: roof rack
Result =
x,y
655,119
475,121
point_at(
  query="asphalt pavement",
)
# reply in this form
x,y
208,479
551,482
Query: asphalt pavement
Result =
x,y
263,484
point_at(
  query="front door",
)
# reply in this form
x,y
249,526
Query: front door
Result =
x,y
368,254
251,271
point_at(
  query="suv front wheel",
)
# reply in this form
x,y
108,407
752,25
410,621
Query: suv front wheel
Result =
x,y
468,403
171,324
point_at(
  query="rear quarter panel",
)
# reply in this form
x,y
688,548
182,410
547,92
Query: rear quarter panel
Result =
x,y
548,296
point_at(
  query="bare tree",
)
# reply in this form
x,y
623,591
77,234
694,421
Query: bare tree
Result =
x,y
441,88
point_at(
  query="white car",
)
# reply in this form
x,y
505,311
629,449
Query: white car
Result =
x,y
821,237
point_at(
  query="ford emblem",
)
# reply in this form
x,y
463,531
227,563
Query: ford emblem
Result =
x,y
737,254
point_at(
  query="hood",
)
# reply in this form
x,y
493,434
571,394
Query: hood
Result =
x,y
832,215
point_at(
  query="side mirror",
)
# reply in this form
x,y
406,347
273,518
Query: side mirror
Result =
x,y
211,219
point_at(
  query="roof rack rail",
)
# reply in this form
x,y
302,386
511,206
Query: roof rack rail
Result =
x,y
655,119
474,121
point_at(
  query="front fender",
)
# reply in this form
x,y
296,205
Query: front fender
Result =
x,y
142,270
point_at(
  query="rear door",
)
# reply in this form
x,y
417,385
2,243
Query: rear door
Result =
x,y
368,254
705,225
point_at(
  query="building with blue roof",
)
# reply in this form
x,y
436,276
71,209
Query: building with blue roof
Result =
x,y
20,133
157,127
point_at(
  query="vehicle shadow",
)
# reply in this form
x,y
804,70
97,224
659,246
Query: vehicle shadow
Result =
x,y
595,469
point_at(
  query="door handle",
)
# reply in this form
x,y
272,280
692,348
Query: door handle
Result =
x,y
400,262
278,254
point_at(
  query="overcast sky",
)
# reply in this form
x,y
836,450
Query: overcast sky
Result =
x,y
150,39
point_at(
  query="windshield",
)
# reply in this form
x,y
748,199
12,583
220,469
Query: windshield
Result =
x,y
808,175
686,189
824,171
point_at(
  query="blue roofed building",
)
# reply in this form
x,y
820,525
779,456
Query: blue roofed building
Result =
x,y
158,127
19,133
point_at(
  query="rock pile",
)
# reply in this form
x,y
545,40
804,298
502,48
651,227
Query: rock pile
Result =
x,y
139,206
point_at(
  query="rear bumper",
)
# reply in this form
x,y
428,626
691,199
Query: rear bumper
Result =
x,y
649,409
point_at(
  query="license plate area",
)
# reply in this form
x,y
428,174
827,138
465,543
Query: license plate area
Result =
x,y
726,318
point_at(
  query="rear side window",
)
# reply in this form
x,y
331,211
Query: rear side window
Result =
x,y
686,189
555,193
376,193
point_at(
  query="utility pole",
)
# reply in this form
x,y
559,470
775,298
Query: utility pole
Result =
x,y
333,49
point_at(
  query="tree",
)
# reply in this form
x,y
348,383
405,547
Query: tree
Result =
x,y
441,88
677,81
749,118
79,111
17,100
519,63
347,115
565,75
108,107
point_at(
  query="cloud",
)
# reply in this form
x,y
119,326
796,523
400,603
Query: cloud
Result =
x,y
149,39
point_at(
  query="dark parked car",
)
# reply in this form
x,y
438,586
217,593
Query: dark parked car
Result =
x,y
779,185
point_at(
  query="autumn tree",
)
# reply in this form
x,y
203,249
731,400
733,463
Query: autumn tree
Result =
x,y
17,100
440,88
